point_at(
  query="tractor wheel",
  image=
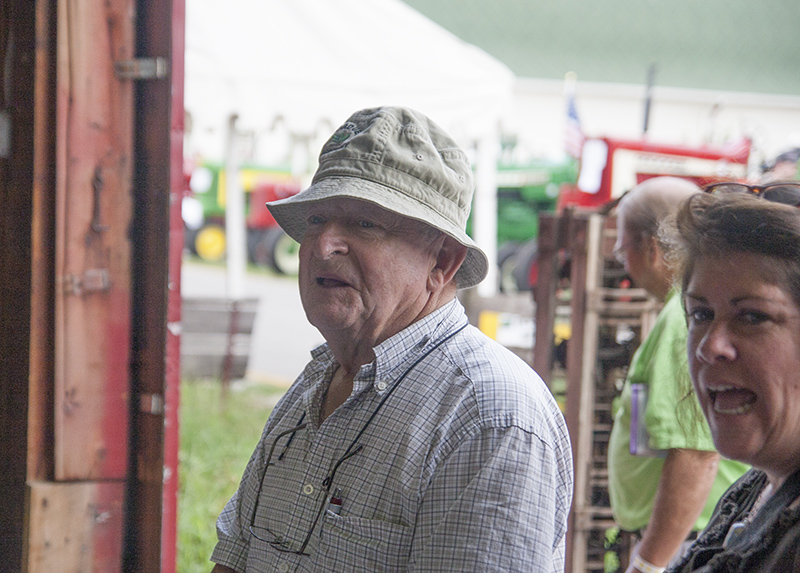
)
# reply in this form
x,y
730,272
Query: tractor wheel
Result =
x,y
256,253
189,236
285,254
278,251
209,244
506,261
527,265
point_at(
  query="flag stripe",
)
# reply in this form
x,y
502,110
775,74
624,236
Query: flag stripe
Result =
x,y
573,133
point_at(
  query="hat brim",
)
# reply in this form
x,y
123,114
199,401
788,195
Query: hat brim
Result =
x,y
291,216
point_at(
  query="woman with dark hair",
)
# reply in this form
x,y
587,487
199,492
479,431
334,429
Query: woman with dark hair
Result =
x,y
736,250
664,476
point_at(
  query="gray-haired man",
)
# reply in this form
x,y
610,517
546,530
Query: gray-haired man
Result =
x,y
411,441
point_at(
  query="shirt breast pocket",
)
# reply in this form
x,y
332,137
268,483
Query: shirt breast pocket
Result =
x,y
365,544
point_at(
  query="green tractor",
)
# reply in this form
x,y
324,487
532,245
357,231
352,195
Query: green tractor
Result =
x,y
524,191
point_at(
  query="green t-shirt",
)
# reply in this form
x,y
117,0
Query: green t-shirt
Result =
x,y
673,421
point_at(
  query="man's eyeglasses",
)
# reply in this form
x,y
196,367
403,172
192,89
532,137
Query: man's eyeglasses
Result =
x,y
787,193
276,541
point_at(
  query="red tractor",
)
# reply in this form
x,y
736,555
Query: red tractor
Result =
x,y
610,167
267,243
204,215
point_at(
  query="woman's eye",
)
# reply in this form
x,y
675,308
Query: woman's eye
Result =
x,y
753,316
697,315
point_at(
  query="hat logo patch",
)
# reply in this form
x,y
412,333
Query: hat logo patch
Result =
x,y
341,137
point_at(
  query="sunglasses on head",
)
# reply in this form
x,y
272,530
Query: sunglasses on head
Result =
x,y
787,193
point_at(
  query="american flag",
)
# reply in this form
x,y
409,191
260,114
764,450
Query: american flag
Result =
x,y
573,134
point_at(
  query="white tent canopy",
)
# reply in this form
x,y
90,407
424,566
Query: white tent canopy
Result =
x,y
301,67
314,62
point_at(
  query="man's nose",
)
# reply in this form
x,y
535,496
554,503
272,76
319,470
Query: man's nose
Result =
x,y
331,240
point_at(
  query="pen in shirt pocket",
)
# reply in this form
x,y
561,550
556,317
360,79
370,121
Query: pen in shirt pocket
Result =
x,y
335,504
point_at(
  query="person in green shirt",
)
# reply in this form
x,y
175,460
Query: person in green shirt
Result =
x,y
669,486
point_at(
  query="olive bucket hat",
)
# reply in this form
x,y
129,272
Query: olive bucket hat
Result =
x,y
403,162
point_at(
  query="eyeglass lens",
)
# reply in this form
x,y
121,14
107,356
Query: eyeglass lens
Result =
x,y
786,193
731,188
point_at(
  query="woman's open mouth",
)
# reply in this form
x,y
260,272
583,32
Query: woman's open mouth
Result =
x,y
731,400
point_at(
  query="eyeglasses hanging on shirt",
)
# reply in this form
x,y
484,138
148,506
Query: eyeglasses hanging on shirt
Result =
x,y
277,542
332,501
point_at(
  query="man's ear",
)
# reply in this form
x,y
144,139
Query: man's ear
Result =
x,y
448,260
653,251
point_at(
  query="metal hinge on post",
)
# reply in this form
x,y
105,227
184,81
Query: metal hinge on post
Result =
x,y
93,280
151,403
141,69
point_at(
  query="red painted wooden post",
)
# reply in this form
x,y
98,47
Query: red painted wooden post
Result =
x,y
93,214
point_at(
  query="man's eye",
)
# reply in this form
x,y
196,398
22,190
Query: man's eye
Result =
x,y
315,220
365,224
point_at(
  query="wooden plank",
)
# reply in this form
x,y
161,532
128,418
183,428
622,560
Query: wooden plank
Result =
x,y
17,41
575,398
75,527
545,295
215,315
159,187
213,336
40,383
94,113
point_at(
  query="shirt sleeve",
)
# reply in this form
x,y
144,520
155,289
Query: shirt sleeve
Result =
x,y
499,503
231,548
673,416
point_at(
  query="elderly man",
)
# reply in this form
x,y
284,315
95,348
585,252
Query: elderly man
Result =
x,y
664,476
410,442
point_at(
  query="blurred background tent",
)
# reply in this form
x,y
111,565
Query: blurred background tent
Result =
x,y
299,68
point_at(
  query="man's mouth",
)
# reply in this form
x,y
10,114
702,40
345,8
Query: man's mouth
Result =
x,y
330,282
731,400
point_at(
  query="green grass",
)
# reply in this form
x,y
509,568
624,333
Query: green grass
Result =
x,y
217,436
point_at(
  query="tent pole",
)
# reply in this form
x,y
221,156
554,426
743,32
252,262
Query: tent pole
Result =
x,y
234,217
485,207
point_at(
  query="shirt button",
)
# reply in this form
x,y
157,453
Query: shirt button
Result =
x,y
381,386
308,489
283,567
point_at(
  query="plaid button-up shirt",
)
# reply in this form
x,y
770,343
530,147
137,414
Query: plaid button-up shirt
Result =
x,y
466,467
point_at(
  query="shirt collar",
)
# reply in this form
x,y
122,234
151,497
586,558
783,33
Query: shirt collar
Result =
x,y
396,353
393,353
